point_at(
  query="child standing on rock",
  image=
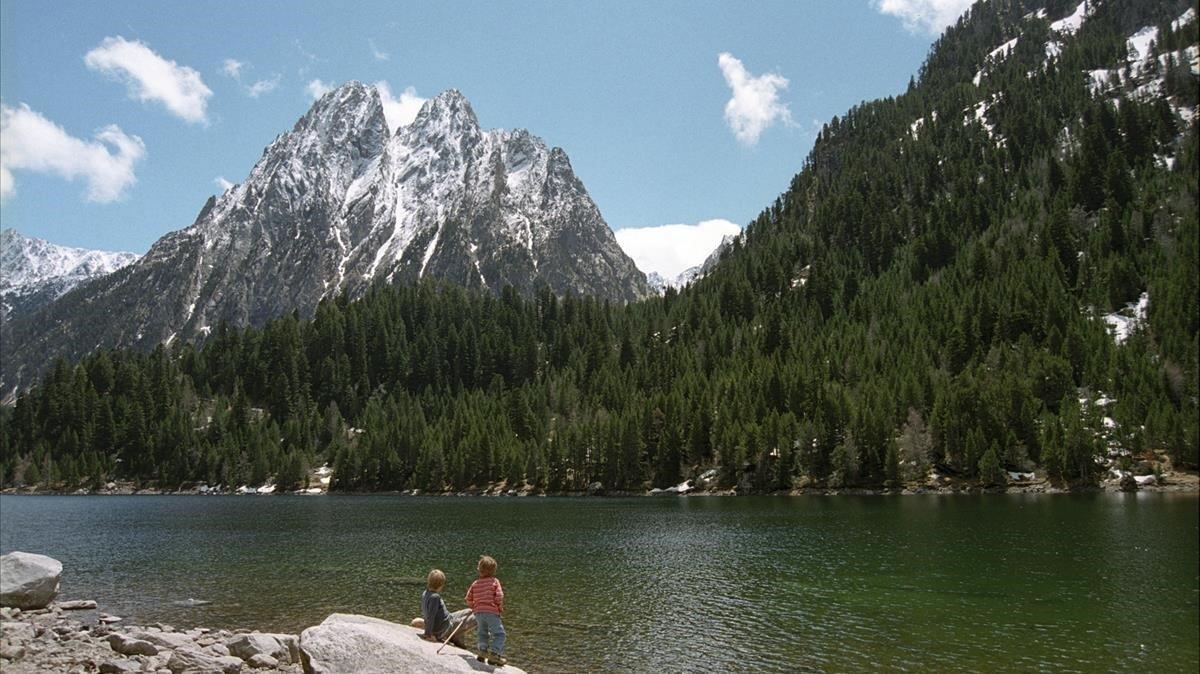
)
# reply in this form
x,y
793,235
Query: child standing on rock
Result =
x,y
486,599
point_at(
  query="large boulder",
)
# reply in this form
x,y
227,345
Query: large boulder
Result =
x,y
28,581
356,643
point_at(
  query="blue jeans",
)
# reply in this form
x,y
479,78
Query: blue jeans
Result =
x,y
489,624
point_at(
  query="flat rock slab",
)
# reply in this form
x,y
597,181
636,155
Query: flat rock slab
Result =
x,y
357,643
77,605
189,661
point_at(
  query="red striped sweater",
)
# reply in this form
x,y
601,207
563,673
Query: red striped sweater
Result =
x,y
486,596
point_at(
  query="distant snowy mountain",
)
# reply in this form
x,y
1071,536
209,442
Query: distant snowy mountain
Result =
x,y
34,272
659,284
339,203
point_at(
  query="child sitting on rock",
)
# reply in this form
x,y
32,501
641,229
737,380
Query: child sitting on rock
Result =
x,y
439,622
486,598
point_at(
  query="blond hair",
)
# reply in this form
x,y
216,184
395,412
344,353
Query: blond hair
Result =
x,y
435,581
487,566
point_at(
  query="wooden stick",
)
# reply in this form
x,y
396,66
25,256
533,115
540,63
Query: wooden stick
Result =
x,y
456,629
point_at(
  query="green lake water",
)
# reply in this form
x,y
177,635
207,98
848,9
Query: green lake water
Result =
x,y
988,582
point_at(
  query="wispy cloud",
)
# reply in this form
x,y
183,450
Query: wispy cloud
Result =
x,y
317,88
671,249
375,51
151,77
755,104
399,111
233,68
34,143
224,184
262,87
924,16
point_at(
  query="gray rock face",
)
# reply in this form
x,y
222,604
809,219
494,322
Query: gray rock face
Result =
x,y
335,205
355,643
28,581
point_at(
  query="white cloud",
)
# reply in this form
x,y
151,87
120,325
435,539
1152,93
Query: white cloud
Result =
x,y
222,183
150,77
755,103
379,55
262,87
399,111
672,249
233,68
33,143
317,88
924,16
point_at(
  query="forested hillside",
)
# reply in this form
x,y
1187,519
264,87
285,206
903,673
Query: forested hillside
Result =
x,y
995,270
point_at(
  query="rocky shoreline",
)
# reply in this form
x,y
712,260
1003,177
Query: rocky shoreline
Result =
x,y
1030,483
39,635
53,640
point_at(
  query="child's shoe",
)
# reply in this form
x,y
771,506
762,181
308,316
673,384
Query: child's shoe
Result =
x,y
482,655
497,659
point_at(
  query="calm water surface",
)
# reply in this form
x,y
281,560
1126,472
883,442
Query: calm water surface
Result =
x,y
990,582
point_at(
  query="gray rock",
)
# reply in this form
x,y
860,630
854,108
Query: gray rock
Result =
x,y
356,643
11,651
18,631
107,619
120,667
219,649
169,640
191,661
283,647
28,581
128,645
77,605
262,661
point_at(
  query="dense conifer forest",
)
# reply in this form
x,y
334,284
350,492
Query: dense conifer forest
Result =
x,y
929,292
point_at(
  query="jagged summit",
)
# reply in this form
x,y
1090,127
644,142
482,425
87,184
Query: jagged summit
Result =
x,y
449,112
338,203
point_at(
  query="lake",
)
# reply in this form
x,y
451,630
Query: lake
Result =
x,y
980,582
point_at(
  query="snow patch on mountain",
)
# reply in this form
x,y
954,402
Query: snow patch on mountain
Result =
x,y
1071,23
1123,323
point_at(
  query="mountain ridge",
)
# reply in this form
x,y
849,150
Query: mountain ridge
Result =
x,y
336,204
35,272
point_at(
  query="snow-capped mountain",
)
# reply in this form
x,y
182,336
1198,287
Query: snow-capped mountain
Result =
x,y
659,283
35,272
337,204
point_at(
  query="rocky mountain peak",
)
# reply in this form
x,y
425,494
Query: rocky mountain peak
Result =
x,y
337,204
443,118
347,119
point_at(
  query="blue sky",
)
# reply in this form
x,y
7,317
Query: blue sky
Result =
x,y
120,118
